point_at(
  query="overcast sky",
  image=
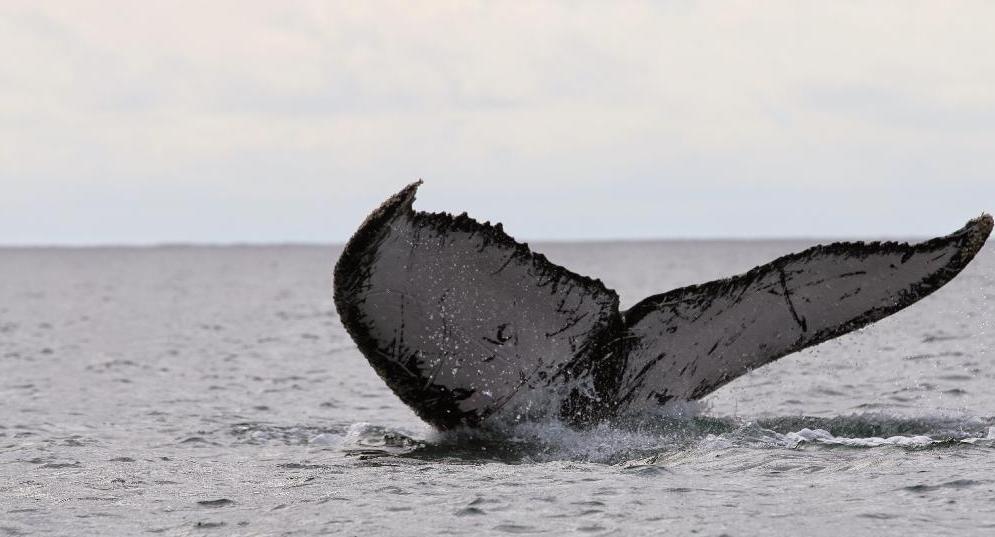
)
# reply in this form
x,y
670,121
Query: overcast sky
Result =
x,y
205,121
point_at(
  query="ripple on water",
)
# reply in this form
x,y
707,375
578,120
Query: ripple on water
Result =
x,y
956,484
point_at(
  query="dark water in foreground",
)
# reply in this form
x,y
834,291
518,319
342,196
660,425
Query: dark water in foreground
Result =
x,y
212,391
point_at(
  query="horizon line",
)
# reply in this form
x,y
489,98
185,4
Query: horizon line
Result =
x,y
315,244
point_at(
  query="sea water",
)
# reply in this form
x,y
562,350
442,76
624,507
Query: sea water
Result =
x,y
213,391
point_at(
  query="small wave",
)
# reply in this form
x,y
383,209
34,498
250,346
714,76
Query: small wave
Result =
x,y
368,440
875,424
264,433
988,440
824,437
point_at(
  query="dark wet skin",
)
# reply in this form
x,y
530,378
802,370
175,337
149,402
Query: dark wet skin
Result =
x,y
469,327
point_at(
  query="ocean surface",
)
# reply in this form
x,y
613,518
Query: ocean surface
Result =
x,y
213,391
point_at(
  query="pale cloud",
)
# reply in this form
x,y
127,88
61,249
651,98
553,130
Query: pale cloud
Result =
x,y
220,121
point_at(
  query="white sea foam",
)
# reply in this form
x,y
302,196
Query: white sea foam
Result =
x,y
672,432
988,440
326,439
821,436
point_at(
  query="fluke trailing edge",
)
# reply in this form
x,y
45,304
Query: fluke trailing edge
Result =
x,y
468,326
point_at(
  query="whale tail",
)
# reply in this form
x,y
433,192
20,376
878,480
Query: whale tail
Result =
x,y
688,342
468,326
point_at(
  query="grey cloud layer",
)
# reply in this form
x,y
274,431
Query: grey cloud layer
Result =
x,y
251,121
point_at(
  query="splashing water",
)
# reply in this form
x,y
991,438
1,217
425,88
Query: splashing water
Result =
x,y
653,438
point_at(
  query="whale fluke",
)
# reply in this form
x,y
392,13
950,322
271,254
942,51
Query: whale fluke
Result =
x,y
686,343
468,326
